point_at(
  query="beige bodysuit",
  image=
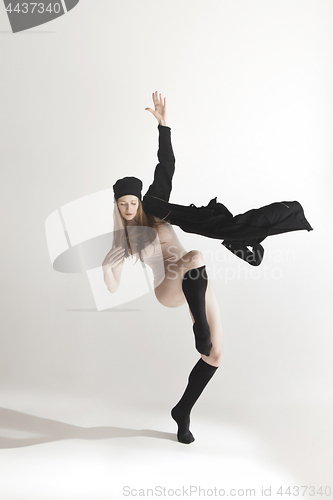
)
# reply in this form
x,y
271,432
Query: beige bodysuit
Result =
x,y
166,249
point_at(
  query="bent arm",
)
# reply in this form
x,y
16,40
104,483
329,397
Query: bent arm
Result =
x,y
112,276
162,184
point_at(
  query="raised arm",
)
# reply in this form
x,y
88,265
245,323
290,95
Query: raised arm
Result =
x,y
162,184
160,108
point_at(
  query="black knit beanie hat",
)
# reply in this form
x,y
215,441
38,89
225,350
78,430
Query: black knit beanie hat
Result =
x,y
127,185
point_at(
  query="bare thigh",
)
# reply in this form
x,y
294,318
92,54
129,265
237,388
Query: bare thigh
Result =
x,y
170,293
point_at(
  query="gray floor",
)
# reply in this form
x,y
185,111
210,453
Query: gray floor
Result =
x,y
56,448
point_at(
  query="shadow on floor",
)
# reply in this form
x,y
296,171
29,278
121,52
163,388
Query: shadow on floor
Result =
x,y
47,430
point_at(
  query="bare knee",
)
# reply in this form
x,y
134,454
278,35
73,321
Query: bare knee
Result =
x,y
194,259
215,357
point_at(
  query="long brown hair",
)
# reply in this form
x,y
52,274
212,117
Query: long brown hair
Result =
x,y
140,238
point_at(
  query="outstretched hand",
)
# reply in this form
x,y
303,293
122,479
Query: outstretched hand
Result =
x,y
160,108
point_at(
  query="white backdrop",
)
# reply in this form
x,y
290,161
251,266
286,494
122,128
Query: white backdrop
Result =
x,y
249,92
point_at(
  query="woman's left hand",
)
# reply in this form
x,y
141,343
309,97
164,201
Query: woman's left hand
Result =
x,y
160,108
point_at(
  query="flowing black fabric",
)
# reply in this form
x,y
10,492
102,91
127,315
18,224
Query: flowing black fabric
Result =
x,y
214,220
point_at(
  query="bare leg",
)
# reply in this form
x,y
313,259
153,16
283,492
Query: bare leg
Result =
x,y
202,372
170,294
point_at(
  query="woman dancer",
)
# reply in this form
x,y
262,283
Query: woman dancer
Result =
x,y
180,276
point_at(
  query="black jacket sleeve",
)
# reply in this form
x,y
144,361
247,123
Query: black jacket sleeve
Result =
x,y
162,184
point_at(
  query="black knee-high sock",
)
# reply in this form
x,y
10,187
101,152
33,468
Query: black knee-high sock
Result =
x,y
199,377
194,286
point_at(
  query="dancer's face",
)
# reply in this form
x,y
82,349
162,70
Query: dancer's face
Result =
x,y
128,206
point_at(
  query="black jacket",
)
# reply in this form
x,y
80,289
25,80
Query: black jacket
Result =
x,y
214,220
